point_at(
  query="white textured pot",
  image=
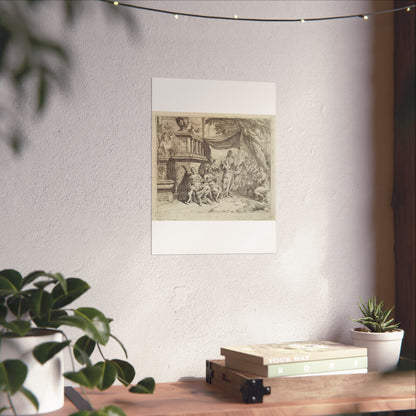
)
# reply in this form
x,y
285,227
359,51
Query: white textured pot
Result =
x,y
383,348
44,381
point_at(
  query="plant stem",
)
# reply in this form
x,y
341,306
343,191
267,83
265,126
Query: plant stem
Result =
x,y
101,353
11,404
73,369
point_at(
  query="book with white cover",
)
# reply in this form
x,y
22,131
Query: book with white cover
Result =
x,y
292,352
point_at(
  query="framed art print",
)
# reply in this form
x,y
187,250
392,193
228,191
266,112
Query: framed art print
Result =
x,y
213,170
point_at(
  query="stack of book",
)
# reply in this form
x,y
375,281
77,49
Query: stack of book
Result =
x,y
296,359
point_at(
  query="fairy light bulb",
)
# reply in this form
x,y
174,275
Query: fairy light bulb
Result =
x,y
408,9
236,16
302,20
176,17
365,17
115,3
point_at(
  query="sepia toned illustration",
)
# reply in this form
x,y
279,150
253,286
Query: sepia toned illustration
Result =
x,y
212,167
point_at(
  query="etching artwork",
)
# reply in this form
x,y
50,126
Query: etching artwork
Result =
x,y
212,167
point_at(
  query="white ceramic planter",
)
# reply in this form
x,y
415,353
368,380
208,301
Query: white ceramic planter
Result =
x,y
383,348
44,381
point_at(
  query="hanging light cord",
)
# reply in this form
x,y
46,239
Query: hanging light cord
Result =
x,y
249,19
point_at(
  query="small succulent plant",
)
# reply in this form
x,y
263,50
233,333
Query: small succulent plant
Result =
x,y
375,318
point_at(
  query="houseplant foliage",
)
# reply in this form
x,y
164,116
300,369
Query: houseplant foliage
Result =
x,y
381,335
42,301
33,60
375,317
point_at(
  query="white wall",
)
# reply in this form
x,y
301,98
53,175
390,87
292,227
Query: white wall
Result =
x,y
79,198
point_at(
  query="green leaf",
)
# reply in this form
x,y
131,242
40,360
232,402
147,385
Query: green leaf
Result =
x,y
91,321
75,288
88,376
75,321
110,411
125,371
31,277
145,386
55,316
61,279
12,375
40,304
7,287
108,374
45,351
105,411
83,413
30,396
18,327
13,276
83,349
3,312
98,328
54,277
18,305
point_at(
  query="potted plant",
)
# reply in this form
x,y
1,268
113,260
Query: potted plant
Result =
x,y
380,335
34,310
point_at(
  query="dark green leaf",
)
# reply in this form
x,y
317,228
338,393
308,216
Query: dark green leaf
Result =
x,y
75,288
56,315
61,279
108,374
125,371
13,276
75,321
54,277
7,287
145,386
98,328
45,351
110,411
82,357
30,396
88,377
18,305
105,411
44,283
12,375
83,349
18,327
31,277
83,413
40,304
3,312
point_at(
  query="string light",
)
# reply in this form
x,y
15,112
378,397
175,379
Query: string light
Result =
x,y
249,19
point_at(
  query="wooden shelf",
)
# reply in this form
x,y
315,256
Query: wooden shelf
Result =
x,y
198,398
